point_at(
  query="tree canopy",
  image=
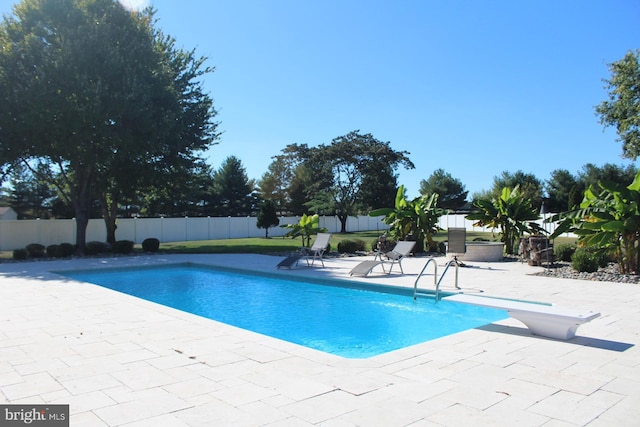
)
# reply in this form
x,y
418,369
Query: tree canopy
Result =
x,y
93,98
563,191
529,186
452,194
345,165
622,109
232,190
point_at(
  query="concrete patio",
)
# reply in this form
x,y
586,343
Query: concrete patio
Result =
x,y
118,360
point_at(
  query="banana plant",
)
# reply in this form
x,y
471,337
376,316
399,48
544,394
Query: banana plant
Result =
x,y
512,213
418,217
607,221
305,228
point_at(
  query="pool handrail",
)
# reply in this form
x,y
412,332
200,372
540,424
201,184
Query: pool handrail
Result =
x,y
435,277
436,281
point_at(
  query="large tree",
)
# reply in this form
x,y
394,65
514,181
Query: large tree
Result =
x,y
564,191
591,175
93,94
529,186
344,166
286,180
233,192
622,109
452,194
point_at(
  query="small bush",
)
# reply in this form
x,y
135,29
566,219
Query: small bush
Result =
x,y
565,252
53,251
66,250
151,244
602,258
20,254
35,250
351,246
584,261
123,247
95,248
383,244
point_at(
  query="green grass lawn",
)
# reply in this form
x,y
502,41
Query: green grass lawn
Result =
x,y
280,244
260,245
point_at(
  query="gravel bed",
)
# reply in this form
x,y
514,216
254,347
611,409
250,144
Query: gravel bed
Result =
x,y
607,274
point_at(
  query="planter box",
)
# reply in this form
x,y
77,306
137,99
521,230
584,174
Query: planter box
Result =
x,y
483,252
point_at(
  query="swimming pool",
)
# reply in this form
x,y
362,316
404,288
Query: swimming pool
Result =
x,y
338,317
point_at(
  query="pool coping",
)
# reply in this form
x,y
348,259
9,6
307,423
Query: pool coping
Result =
x,y
118,360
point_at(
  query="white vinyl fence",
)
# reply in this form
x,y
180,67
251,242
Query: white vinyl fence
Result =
x,y
16,234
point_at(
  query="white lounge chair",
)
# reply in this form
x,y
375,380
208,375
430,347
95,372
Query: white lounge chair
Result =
x,y
397,254
317,250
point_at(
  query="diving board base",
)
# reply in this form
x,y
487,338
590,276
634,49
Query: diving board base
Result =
x,y
544,320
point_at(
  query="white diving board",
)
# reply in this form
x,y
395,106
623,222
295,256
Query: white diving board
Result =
x,y
545,320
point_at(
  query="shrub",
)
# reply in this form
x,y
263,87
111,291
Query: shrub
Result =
x,y
565,252
383,244
53,251
35,250
123,247
95,248
351,246
66,250
602,258
20,254
584,261
151,244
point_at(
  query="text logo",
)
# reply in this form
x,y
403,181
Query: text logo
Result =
x,y
34,415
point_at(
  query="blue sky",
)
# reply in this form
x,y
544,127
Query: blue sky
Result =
x,y
472,87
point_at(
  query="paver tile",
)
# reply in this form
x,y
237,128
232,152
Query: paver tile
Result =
x,y
325,407
145,404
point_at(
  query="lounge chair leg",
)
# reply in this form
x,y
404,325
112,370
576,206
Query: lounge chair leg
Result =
x,y
458,262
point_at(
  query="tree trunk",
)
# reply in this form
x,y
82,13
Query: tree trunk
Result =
x,y
110,223
343,223
81,199
109,213
82,220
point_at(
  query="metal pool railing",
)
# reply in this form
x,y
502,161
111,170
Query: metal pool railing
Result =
x,y
436,281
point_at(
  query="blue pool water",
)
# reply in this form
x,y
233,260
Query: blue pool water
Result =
x,y
334,317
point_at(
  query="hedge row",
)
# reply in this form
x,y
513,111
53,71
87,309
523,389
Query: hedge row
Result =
x,y
65,250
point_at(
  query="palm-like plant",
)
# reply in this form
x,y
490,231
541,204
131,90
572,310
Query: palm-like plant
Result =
x,y
608,221
512,213
305,228
418,217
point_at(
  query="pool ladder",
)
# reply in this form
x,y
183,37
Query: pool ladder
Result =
x,y
436,281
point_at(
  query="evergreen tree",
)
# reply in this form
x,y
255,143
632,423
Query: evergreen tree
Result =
x,y
452,194
267,217
232,191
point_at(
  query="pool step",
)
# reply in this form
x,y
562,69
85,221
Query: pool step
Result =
x,y
431,295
